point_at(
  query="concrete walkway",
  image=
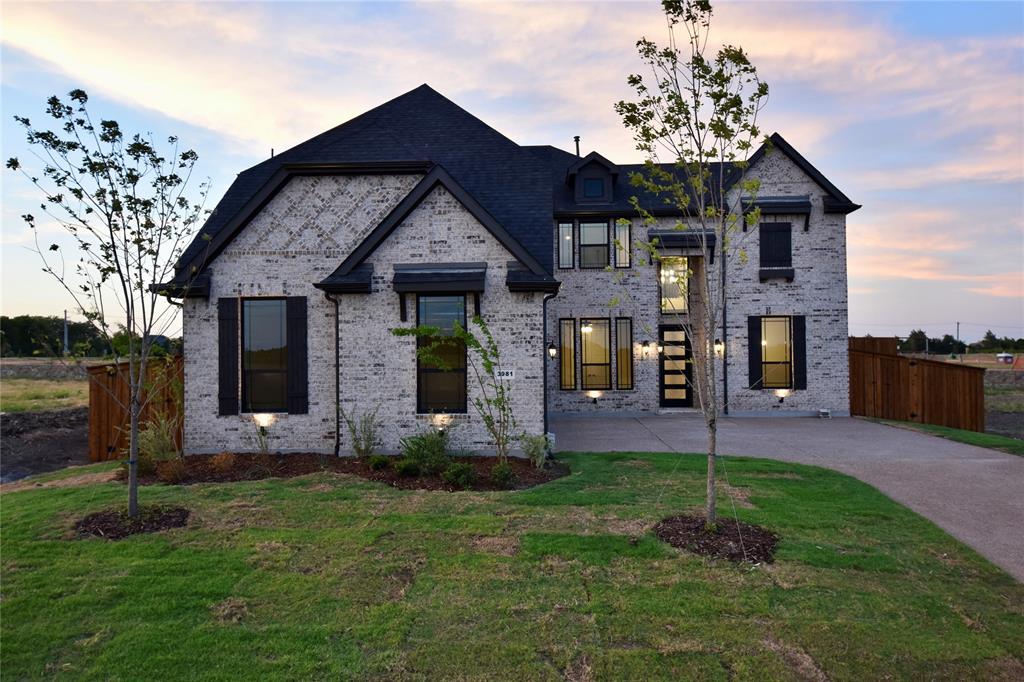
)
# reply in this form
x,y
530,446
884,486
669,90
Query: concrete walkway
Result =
x,y
975,494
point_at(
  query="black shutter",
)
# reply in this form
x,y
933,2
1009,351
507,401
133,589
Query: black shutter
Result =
x,y
298,386
227,356
799,352
754,350
776,245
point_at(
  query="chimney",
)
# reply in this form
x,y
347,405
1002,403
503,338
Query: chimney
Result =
x,y
577,139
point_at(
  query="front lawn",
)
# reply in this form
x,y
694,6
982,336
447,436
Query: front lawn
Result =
x,y
327,576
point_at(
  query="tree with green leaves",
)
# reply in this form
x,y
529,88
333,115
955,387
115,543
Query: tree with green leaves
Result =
x,y
494,403
694,117
129,208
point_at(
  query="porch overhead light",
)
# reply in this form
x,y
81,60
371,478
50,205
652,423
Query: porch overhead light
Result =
x,y
552,351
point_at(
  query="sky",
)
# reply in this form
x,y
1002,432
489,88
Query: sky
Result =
x,y
915,110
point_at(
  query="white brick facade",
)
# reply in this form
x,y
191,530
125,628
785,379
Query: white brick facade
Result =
x,y
315,222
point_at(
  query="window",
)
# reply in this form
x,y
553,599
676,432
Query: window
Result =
x,y
597,362
776,352
776,245
624,353
264,355
567,361
594,245
566,257
674,284
623,243
441,386
593,188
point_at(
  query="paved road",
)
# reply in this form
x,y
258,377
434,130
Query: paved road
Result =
x,y
975,494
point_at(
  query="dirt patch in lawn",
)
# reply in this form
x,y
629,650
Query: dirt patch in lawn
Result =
x,y
115,524
66,482
496,544
731,539
229,467
798,660
231,611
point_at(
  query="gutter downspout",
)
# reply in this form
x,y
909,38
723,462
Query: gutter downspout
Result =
x,y
725,337
337,377
544,354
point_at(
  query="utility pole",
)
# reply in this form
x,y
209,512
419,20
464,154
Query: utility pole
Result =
x,y
65,332
959,354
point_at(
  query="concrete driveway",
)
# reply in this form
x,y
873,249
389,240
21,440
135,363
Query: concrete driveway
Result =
x,y
975,494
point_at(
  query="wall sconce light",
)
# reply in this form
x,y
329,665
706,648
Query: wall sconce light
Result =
x,y
586,328
661,349
719,347
646,346
264,420
552,351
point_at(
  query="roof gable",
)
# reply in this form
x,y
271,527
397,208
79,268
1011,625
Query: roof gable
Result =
x,y
438,177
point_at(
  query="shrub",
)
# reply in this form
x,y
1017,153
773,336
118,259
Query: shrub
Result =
x,y
377,462
429,450
223,462
157,442
362,430
536,448
460,474
171,470
502,475
407,467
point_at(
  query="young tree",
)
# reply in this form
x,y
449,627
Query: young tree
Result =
x,y
695,120
126,206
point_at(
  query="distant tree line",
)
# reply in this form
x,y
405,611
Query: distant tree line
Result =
x,y
919,342
26,336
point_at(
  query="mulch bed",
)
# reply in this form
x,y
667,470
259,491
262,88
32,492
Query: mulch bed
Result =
x,y
229,467
115,524
731,539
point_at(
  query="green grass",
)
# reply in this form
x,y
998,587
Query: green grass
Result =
x,y
332,577
31,395
1004,398
993,441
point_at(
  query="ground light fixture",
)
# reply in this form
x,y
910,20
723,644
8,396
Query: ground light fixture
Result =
x,y
552,350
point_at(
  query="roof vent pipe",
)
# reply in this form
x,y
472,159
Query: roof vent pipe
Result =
x,y
577,139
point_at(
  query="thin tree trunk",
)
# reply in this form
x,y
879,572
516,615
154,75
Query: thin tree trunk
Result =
x,y
710,515
133,456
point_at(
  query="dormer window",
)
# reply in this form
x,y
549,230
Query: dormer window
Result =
x,y
593,188
592,179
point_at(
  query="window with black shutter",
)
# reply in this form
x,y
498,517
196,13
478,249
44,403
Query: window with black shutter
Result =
x,y
264,355
227,356
776,251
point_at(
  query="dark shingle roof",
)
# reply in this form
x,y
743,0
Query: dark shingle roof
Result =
x,y
521,187
512,184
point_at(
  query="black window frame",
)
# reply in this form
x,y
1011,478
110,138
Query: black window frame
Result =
x,y
571,224
465,365
244,406
607,243
627,247
629,347
562,355
790,363
661,288
584,364
587,182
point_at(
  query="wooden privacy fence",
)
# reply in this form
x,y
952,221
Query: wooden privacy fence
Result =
x,y
108,404
889,386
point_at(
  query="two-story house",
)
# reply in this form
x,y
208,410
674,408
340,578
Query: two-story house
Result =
x,y
418,212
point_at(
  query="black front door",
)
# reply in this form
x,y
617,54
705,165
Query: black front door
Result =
x,y
675,367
